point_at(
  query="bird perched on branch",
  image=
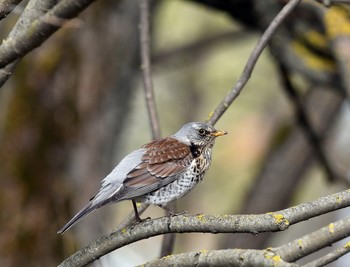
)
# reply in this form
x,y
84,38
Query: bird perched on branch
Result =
x,y
158,172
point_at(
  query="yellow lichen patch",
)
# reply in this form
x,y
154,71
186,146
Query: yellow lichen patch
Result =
x,y
269,255
311,60
211,113
276,258
167,257
338,199
347,245
279,218
33,28
337,22
138,204
200,217
331,228
300,243
316,39
123,230
203,251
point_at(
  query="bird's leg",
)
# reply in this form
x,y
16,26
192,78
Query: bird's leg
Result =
x,y
171,212
137,216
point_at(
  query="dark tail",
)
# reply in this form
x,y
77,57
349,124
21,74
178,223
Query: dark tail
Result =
x,y
80,215
106,195
90,207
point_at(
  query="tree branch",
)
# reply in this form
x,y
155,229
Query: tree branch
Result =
x,y
39,30
281,256
7,6
248,69
330,257
34,10
227,257
146,68
314,241
269,222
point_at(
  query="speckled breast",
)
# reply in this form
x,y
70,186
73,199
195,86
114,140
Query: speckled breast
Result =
x,y
183,184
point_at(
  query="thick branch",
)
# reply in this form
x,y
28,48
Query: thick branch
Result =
x,y
6,7
281,256
227,257
34,10
40,30
270,222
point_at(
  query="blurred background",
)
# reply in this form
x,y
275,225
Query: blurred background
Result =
x,y
75,107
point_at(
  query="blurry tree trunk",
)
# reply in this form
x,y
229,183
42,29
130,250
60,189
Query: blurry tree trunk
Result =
x,y
80,83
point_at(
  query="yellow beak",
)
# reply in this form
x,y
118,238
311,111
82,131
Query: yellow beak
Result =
x,y
219,133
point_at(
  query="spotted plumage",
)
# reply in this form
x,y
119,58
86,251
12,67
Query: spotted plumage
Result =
x,y
158,172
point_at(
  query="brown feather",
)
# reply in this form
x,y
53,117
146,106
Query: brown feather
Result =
x,y
163,159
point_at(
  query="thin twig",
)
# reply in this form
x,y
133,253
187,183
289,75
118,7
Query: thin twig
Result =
x,y
168,240
255,223
330,257
315,241
146,68
248,69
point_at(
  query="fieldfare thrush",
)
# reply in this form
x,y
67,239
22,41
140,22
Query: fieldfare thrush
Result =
x,y
158,172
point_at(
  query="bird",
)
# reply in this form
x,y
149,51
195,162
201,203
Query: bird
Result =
x,y
158,172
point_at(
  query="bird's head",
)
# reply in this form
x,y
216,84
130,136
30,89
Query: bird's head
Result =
x,y
197,133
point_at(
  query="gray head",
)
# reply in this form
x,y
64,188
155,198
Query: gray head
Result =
x,y
197,133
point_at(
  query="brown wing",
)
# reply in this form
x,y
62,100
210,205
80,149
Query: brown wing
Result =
x,y
162,162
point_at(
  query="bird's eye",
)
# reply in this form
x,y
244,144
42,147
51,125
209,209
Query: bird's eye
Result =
x,y
201,131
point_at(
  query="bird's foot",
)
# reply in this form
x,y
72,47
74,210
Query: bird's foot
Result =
x,y
171,212
184,212
139,220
